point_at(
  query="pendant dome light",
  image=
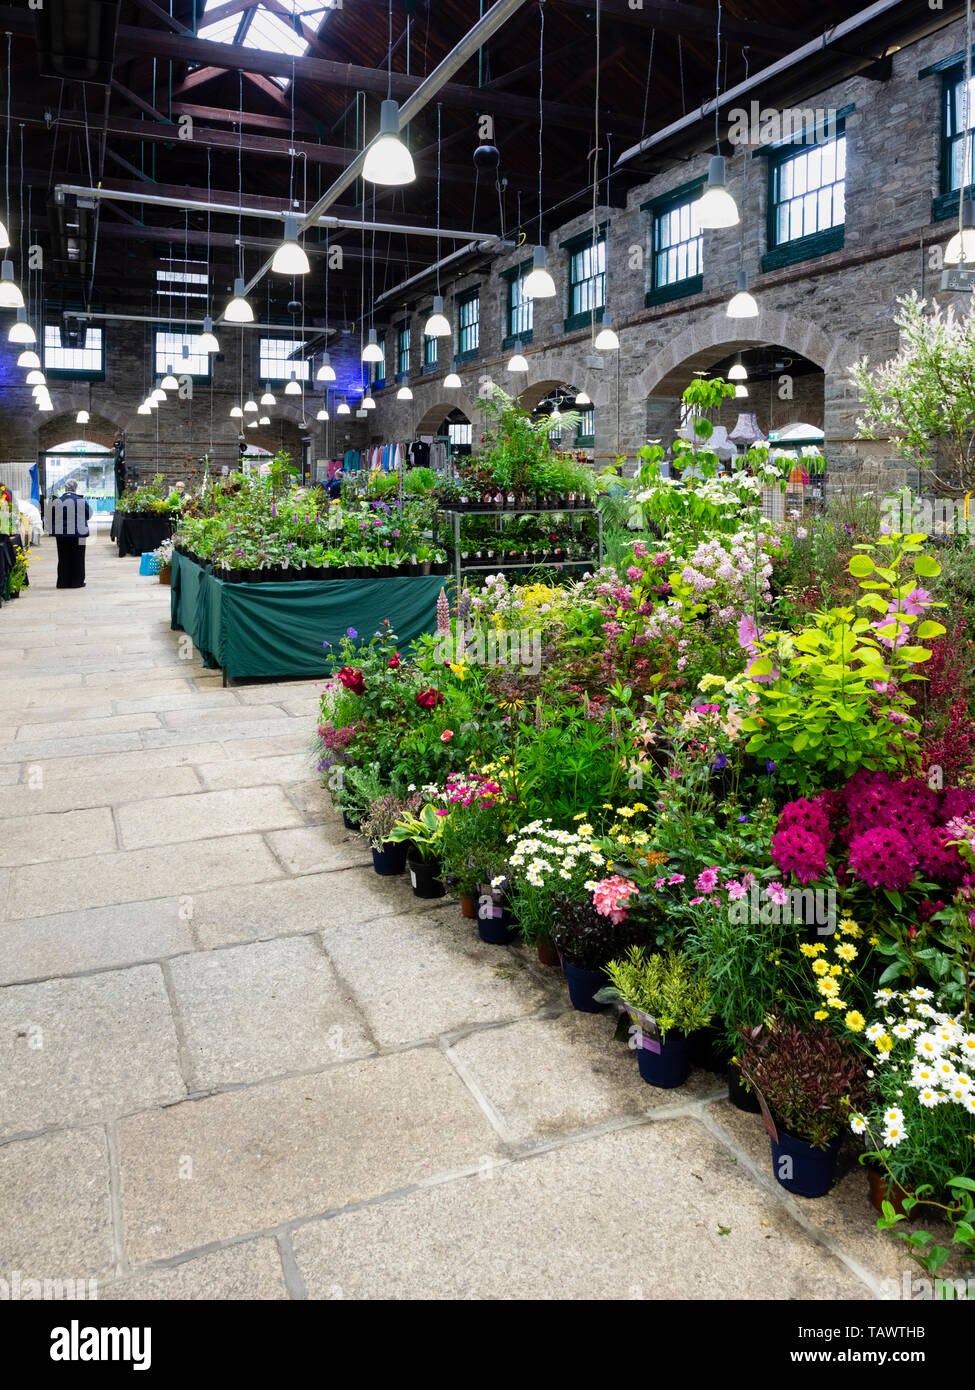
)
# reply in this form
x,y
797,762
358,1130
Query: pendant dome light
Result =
x,y
343,408
238,310
716,207
367,402
36,378
45,405
437,325
268,398
322,414
159,394
326,371
152,403
606,339
290,258
538,282
82,417
961,248
264,420
10,295
235,412
738,371
144,409
741,391
20,330
250,407
743,304
583,399
28,358
208,341
452,381
39,390
404,393
372,352
169,382
252,424
518,362
293,388
388,161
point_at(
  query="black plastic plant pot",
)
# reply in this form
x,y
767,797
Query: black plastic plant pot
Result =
x,y
668,1067
390,860
349,823
583,984
802,1169
738,1093
495,922
708,1051
425,878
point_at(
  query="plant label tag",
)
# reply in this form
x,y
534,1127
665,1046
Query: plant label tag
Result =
x,y
413,877
489,909
767,1120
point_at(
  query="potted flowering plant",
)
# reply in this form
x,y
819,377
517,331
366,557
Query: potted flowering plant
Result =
x,y
388,856
667,1000
543,860
422,833
807,1080
586,938
473,842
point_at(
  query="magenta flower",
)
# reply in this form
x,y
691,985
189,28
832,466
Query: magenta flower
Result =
x,y
707,880
777,892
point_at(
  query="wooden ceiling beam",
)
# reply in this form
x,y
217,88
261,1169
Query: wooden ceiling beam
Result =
x,y
693,22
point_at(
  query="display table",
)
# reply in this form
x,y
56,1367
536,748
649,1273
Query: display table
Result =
x,y
137,532
277,629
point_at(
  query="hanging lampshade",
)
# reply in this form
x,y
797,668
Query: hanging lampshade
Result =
x,y
518,363
326,371
452,381
39,390
606,339
10,295
268,397
264,420
250,407
238,310
20,330
290,258
36,378
252,424
538,282
322,415
743,304
158,395
741,391
583,399
343,408
372,352
45,405
961,247
367,403
388,161
144,409
82,417
292,388
236,413
746,431
208,341
169,382
28,359
715,207
4,238
437,325
404,393
152,403
738,371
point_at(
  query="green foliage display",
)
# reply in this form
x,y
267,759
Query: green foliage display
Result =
x,y
664,985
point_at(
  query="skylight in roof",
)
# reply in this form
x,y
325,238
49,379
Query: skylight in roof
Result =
x,y
260,28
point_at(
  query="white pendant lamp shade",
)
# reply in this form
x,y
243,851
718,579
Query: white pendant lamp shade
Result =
x,y
743,304
367,403
252,424
144,409
452,381
372,352
583,399
388,161
39,390
158,395
738,372
715,207
538,283
437,325
961,248
238,310
606,339
322,415
35,378
404,393
45,405
152,403
20,330
268,397
208,341
741,391
10,295
292,388
290,258
518,363
343,408
264,420
326,371
169,382
236,413
28,359
4,238
83,417
250,407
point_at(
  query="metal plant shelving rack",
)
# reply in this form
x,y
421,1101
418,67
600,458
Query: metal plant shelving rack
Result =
x,y
455,518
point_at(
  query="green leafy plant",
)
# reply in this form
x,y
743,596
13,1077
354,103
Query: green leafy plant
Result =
x,y
424,830
809,1079
665,986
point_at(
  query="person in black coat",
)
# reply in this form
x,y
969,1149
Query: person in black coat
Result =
x,y
69,526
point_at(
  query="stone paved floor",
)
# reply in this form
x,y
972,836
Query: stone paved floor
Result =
x,y
235,1064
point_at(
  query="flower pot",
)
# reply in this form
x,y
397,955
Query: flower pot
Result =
x,y
583,984
494,922
708,1052
468,906
802,1169
884,1189
425,878
739,1095
349,823
165,574
547,953
670,1066
389,860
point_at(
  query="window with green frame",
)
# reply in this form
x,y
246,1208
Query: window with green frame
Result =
x,y
429,353
85,362
378,377
403,348
521,311
806,199
468,325
677,258
957,144
586,433
587,282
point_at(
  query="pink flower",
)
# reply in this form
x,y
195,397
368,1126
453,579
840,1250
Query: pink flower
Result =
x,y
707,880
676,878
883,859
446,736
634,574
735,889
611,897
777,893
694,902
639,550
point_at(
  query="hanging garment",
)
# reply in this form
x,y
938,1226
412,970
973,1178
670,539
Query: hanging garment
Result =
x,y
438,455
420,454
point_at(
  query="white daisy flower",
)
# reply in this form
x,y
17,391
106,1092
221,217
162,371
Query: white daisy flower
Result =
x,y
894,1135
875,1031
918,993
893,1116
929,1098
858,1124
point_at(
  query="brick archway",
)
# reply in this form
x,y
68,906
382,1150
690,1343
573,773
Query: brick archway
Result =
x,y
538,390
434,416
99,430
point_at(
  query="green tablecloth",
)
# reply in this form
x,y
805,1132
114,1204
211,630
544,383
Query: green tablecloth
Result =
x,y
278,629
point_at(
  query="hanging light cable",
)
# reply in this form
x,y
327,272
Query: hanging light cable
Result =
x,y
716,207
4,234
238,310
326,371
208,341
388,161
438,325
538,282
606,340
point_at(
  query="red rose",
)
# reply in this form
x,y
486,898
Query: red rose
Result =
x,y
352,680
429,699
394,662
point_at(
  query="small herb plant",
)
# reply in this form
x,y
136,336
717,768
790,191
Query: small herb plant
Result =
x,y
665,986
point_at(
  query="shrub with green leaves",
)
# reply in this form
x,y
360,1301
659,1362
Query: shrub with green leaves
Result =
x,y
665,986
